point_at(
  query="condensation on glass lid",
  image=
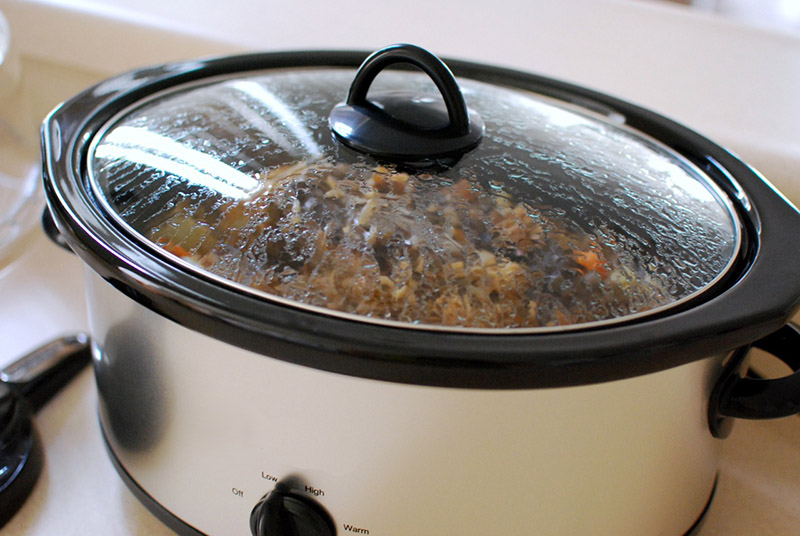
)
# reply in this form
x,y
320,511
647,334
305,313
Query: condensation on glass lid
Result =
x,y
556,219
419,249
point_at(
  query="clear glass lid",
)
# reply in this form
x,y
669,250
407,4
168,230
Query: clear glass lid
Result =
x,y
559,218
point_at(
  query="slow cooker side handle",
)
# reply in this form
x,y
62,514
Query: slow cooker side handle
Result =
x,y
51,230
738,396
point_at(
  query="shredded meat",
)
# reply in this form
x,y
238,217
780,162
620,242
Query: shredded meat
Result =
x,y
411,248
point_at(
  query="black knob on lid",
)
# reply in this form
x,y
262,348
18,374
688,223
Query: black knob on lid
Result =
x,y
288,513
402,126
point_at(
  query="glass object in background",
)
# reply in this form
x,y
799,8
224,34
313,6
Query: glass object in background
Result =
x,y
20,190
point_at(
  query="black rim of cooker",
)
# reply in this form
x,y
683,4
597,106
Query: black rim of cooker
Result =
x,y
756,297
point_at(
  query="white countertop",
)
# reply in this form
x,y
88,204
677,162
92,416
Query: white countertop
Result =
x,y
735,83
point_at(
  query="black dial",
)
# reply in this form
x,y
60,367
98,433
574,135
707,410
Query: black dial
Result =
x,y
288,513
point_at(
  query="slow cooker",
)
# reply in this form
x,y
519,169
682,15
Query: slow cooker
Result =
x,y
332,293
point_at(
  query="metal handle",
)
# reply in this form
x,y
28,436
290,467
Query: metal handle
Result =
x,y
738,396
41,373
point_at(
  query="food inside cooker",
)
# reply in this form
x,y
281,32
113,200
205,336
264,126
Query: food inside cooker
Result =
x,y
417,248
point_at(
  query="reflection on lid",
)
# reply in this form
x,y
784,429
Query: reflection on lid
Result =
x,y
285,116
139,145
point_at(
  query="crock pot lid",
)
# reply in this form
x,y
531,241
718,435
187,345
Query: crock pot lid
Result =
x,y
240,178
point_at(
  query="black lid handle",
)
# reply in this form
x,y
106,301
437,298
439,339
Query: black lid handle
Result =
x,y
430,64
404,126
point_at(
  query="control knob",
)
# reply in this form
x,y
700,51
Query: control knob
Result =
x,y
283,512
